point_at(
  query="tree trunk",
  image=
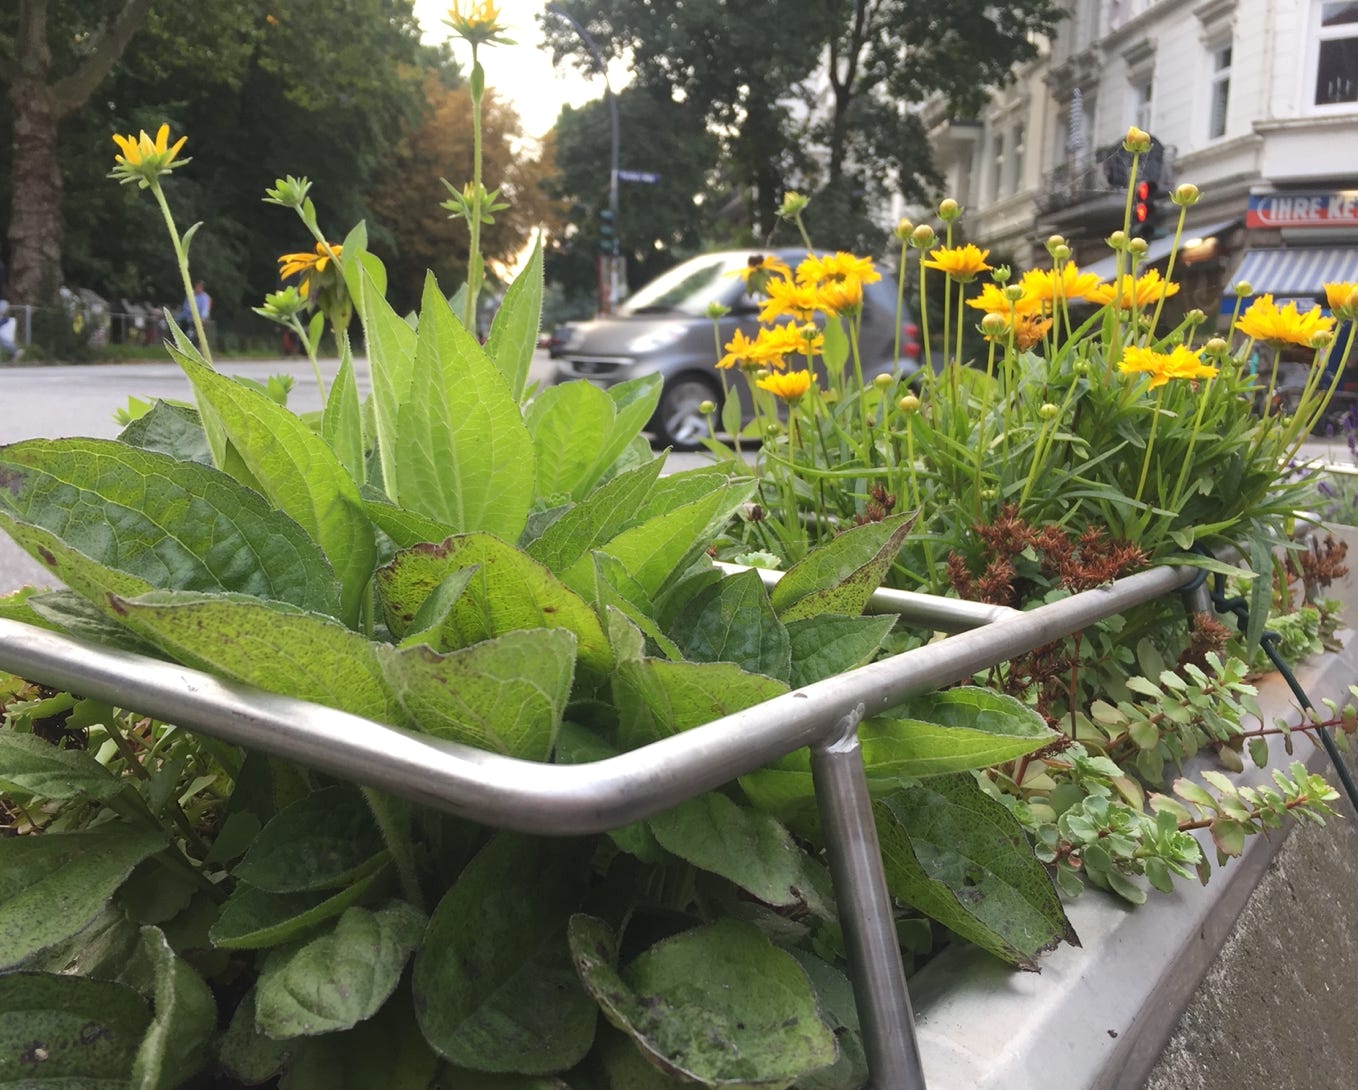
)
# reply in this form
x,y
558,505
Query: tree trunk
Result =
x,y
35,211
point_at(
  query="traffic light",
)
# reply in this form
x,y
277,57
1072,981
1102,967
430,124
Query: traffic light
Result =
x,y
1145,214
608,233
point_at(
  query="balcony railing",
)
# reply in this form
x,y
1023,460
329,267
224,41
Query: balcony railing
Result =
x,y
1105,173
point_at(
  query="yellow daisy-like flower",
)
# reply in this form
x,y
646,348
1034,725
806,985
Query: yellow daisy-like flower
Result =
x,y
1179,363
841,296
1074,285
791,387
1342,298
959,262
310,265
1140,292
1029,329
143,159
1264,320
992,300
480,24
773,344
758,270
837,267
739,350
789,300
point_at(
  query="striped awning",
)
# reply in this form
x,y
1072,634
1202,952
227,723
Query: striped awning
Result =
x,y
1299,271
1159,248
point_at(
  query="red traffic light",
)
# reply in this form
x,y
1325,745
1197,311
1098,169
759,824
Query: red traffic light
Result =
x,y
1143,196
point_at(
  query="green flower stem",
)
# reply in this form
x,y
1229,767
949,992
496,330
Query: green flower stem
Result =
x,y
1297,435
1169,271
392,817
1272,380
916,499
982,429
957,356
1115,341
296,326
182,257
1192,442
721,372
1150,443
474,272
924,327
854,353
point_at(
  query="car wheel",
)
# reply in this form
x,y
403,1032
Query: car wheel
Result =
x,y
679,422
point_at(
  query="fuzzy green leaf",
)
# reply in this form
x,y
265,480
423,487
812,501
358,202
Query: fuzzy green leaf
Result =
x,y
53,886
961,857
569,424
405,528
829,644
170,428
462,454
514,329
505,694
68,1032
732,621
175,1045
493,983
298,472
391,361
167,523
841,575
36,767
342,419
322,841
719,1005
595,519
656,698
340,978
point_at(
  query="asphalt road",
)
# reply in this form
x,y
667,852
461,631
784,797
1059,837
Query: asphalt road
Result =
x,y
53,402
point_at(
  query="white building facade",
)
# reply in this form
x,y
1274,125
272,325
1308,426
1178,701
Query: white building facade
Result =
x,y
1254,101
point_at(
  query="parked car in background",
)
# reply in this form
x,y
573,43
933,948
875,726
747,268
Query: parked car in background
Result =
x,y
664,329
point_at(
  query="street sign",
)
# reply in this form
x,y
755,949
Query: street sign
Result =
x,y
646,176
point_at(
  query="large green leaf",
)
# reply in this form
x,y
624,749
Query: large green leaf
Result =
x,y
266,644
732,621
173,524
841,575
85,576
595,519
385,1052
569,424
322,841
342,419
514,329
463,455
577,745
254,919
68,1033
656,698
172,429
958,855
745,847
510,591
175,1045
245,1052
719,1005
405,528
494,987
52,886
662,547
340,978
299,473
839,1010
391,362
957,730
36,767
506,695
831,644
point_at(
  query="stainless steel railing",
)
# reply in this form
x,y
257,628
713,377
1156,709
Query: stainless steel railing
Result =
x,y
563,800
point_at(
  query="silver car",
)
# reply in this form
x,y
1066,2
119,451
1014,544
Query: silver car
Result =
x,y
665,328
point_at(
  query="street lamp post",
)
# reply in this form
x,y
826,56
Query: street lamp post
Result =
x,y
611,285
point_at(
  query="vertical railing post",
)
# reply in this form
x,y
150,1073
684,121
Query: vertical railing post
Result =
x,y
874,953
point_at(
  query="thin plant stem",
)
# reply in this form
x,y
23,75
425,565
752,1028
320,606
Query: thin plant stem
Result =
x,y
1150,442
183,259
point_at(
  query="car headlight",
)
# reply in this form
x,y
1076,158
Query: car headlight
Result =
x,y
658,338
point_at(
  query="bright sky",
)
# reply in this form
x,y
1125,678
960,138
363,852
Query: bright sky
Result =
x,y
523,72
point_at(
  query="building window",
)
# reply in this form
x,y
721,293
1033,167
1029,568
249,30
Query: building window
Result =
x,y
1017,155
1337,53
1142,102
1221,91
997,155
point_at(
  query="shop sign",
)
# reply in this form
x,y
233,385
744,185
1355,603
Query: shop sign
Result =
x,y
1337,208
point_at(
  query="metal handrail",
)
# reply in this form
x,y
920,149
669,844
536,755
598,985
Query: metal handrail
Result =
x,y
568,800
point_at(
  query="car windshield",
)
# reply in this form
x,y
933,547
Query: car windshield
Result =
x,y
690,287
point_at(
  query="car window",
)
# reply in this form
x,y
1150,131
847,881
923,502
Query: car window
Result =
x,y
690,287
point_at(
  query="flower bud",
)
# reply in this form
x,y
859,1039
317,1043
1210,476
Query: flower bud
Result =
x,y
763,372
1048,411
949,210
1137,140
1138,246
1244,289
1061,253
1118,240
772,431
794,204
903,229
1217,346
1013,292
989,494
1186,195
1082,367
1195,317
994,325
909,404
1053,241
707,408
883,381
717,310
1002,274
1323,339
922,237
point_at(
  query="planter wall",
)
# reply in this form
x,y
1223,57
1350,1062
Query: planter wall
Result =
x,y
1100,1017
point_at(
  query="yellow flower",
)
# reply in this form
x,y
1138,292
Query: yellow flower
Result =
x,y
837,267
959,262
1140,292
309,265
841,296
143,159
1029,329
789,300
1265,321
773,344
1343,299
1179,363
739,350
761,266
481,23
791,387
992,300
1042,284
